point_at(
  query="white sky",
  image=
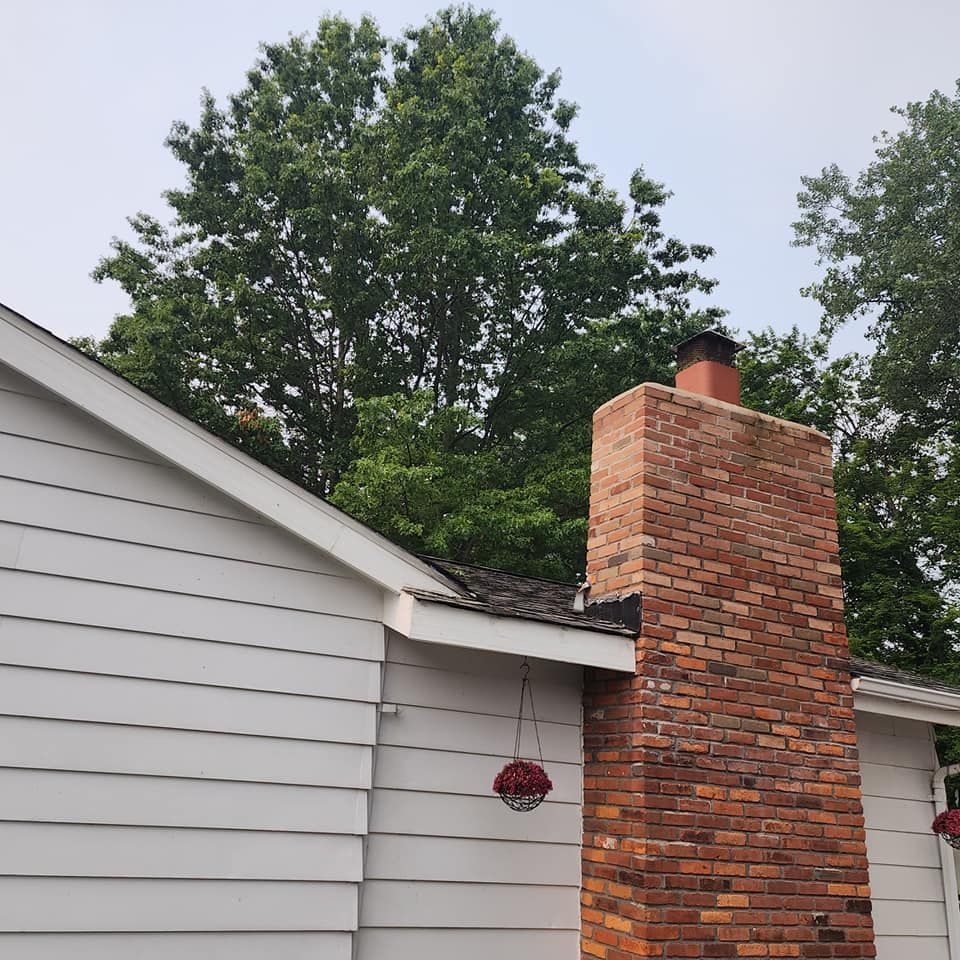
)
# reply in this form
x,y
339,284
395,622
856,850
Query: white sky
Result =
x,y
727,101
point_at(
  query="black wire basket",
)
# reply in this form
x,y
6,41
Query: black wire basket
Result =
x,y
524,804
952,838
528,776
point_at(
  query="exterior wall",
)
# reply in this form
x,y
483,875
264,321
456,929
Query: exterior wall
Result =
x,y
451,871
722,809
897,761
188,706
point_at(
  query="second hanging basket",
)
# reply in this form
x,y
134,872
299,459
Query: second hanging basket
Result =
x,y
523,784
947,827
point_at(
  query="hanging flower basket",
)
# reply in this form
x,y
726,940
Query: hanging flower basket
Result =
x,y
523,784
947,827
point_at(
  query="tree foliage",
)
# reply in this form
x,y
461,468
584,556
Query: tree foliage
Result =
x,y
890,242
793,376
521,503
391,275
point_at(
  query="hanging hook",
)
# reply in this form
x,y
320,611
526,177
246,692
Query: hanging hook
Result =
x,y
525,667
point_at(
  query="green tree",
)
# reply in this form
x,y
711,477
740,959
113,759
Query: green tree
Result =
x,y
890,240
890,243
466,503
260,296
521,503
371,228
793,376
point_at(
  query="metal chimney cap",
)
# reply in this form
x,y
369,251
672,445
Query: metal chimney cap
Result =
x,y
707,345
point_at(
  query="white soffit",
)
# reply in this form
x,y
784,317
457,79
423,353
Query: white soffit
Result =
x,y
39,355
431,621
872,695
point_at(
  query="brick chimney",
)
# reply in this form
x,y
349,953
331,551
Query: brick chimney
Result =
x,y
722,810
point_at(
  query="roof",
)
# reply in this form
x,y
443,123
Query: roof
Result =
x,y
511,595
88,385
861,667
551,601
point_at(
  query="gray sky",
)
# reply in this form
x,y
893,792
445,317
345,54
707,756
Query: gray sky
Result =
x,y
727,101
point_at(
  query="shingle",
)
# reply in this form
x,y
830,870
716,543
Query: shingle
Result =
x,y
510,595
860,667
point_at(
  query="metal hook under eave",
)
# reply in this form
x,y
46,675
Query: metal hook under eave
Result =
x,y
525,668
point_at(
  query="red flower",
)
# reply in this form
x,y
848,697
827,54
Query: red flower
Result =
x,y
522,778
947,822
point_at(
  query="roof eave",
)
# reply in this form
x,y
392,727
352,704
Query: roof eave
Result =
x,y
431,620
887,697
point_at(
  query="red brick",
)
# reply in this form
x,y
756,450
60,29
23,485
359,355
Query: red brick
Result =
x,y
724,520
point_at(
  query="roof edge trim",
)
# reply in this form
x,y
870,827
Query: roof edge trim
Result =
x,y
872,695
430,621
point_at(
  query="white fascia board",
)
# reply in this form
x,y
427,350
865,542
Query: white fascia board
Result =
x,y
886,697
39,355
438,622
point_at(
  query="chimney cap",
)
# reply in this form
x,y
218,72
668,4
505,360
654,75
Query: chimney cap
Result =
x,y
707,345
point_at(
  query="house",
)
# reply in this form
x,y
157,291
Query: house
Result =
x,y
235,723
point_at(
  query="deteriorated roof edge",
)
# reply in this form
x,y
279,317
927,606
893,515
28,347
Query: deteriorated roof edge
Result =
x,y
505,594
571,623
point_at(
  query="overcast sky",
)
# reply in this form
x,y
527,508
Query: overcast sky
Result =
x,y
728,102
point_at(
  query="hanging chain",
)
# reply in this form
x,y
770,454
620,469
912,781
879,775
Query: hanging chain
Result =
x,y
526,689
523,689
536,726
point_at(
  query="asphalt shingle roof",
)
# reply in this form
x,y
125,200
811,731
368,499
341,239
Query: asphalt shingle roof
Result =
x,y
860,667
509,595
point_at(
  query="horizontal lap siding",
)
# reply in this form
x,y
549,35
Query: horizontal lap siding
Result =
x,y
27,692
57,797
83,850
450,870
188,706
99,514
121,748
183,946
897,762
123,653
82,557
29,596
96,904
436,944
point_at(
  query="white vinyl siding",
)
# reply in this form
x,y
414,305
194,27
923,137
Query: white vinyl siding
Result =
x,y
439,944
98,904
188,703
450,870
82,850
897,761
158,945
